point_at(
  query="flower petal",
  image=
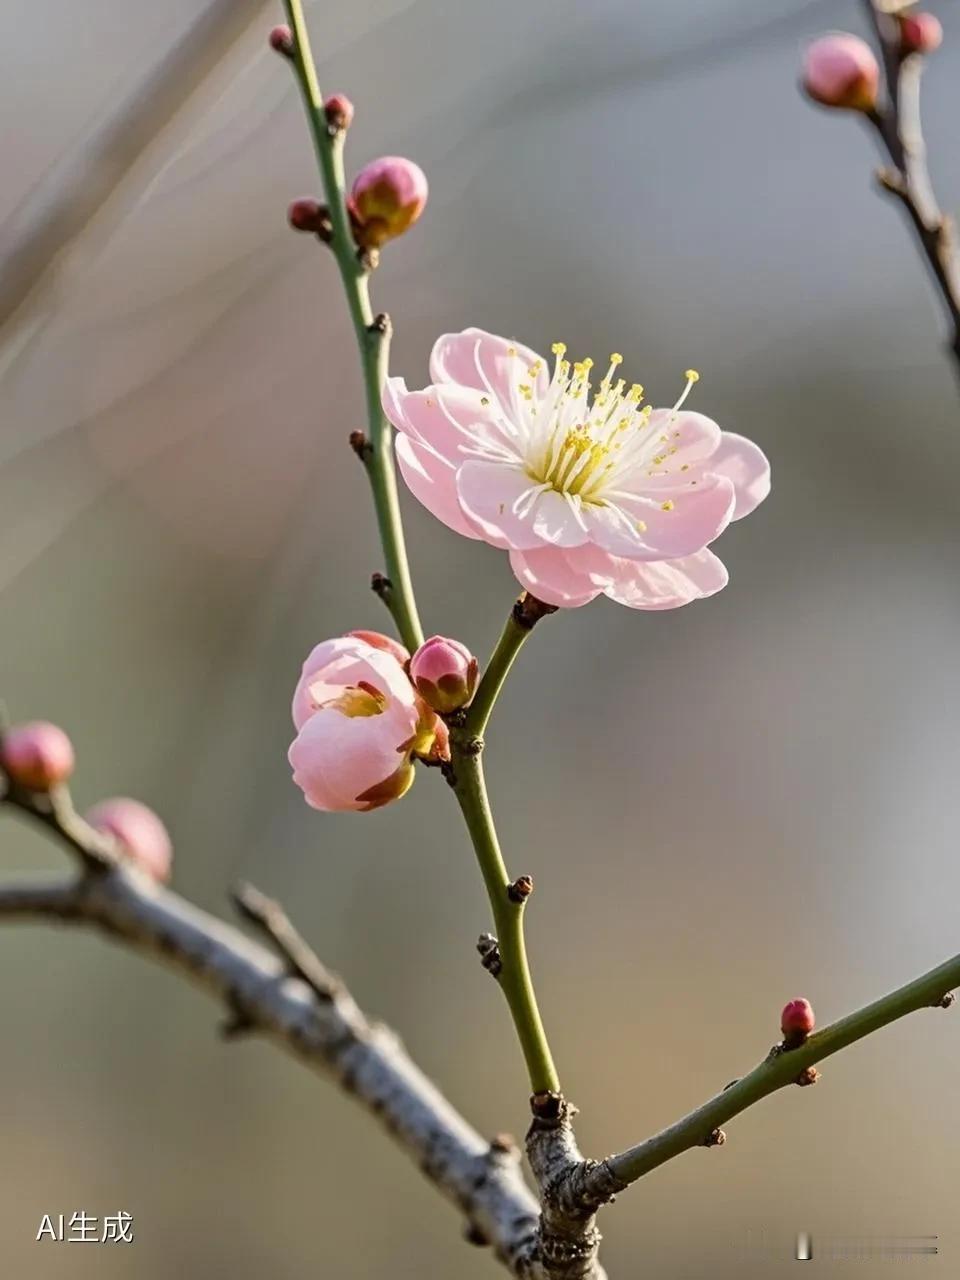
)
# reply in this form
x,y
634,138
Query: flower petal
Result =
x,y
685,437
347,660
488,492
661,584
548,574
336,758
554,521
475,358
432,481
450,419
743,463
677,522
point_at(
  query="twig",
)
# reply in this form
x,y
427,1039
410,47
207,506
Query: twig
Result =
x,y
273,921
329,1034
899,128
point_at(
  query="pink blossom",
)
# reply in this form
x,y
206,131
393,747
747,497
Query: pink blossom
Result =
x,y
359,723
37,755
588,491
840,70
138,831
387,197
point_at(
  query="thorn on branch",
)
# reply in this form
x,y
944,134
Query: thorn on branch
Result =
x,y
520,890
528,610
809,1075
271,919
488,949
715,1138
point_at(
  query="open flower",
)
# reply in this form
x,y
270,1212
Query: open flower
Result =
x,y
589,490
359,723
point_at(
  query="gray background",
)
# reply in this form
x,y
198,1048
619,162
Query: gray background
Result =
x,y
722,807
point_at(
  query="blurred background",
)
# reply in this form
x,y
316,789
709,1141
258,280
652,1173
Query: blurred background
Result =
x,y
723,807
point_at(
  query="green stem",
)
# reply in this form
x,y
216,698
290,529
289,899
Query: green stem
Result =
x,y
514,977
466,743
373,336
782,1068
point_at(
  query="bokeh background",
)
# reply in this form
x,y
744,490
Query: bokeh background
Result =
x,y
723,807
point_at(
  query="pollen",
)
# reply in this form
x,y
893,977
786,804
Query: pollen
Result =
x,y
691,375
559,348
641,526
667,506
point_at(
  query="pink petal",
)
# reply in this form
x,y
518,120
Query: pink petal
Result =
x,y
487,492
337,758
448,418
549,575
693,436
347,660
478,359
663,584
746,466
681,522
554,521
432,481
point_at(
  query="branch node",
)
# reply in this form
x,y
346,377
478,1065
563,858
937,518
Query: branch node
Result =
x,y
475,1236
528,610
809,1075
271,919
503,1147
549,1107
381,324
520,890
488,949
715,1138
361,446
945,1001
382,587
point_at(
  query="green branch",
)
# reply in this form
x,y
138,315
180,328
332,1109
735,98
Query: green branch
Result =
x,y
373,336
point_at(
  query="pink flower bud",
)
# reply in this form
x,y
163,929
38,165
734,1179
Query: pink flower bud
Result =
x,y
281,41
797,1021
339,111
387,643
387,197
444,673
37,755
840,70
919,32
139,833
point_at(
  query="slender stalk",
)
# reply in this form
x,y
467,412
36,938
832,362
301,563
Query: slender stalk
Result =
x,y
782,1068
507,905
373,336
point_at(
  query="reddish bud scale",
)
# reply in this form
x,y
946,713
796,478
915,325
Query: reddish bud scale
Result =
x,y
37,755
281,41
444,672
339,111
386,199
307,215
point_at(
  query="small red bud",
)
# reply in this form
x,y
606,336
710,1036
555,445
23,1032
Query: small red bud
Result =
x,y
840,70
37,755
387,198
919,32
797,1021
138,831
281,41
307,215
339,111
444,673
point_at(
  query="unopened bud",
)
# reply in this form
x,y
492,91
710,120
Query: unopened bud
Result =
x,y
281,41
339,111
919,32
840,70
138,831
37,755
310,215
387,197
444,673
796,1022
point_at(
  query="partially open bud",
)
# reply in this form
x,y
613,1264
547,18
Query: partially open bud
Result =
x,y
796,1022
37,755
444,673
919,32
387,197
281,41
840,70
339,111
139,833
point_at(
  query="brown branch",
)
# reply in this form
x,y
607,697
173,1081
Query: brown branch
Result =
x,y
900,130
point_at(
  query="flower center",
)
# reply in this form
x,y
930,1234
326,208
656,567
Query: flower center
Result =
x,y
579,443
